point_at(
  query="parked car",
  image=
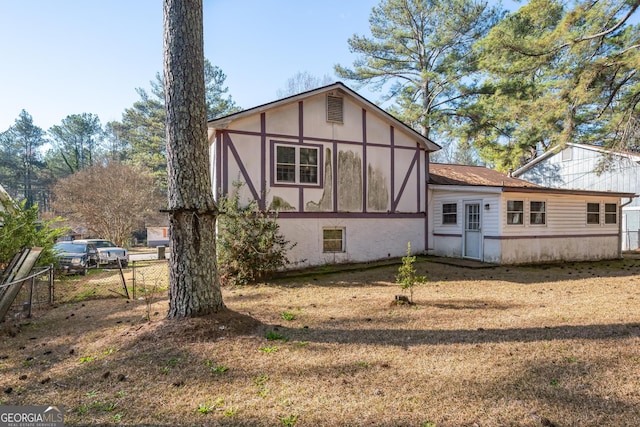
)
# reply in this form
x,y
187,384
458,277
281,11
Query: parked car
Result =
x,y
76,257
109,252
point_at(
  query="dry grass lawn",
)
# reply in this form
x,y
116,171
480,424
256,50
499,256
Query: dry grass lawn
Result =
x,y
504,346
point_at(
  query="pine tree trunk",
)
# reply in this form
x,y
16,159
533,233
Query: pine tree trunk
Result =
x,y
194,288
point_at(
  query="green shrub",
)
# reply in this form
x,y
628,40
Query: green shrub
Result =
x,y
20,228
250,246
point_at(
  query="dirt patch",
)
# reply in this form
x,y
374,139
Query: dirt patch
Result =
x,y
224,324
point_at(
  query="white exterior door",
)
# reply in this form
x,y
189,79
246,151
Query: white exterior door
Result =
x,y
472,231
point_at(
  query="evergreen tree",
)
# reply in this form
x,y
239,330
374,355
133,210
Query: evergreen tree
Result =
x,y
141,132
76,144
250,245
21,165
554,75
420,52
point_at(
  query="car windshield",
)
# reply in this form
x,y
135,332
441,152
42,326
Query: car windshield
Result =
x,y
104,244
70,247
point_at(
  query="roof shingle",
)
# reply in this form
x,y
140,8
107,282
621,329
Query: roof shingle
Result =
x,y
447,174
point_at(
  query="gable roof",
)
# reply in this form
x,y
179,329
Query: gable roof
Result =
x,y
480,176
223,122
555,150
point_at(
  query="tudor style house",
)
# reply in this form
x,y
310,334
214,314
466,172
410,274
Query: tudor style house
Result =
x,y
589,167
349,181
482,214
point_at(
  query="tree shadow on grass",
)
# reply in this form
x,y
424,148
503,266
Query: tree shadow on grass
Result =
x,y
561,392
354,275
415,337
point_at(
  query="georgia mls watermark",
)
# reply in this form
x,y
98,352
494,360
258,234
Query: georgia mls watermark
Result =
x,y
31,416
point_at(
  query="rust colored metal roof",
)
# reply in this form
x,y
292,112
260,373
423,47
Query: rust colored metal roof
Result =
x,y
446,174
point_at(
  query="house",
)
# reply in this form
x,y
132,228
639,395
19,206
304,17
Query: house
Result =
x,y
482,214
589,167
348,179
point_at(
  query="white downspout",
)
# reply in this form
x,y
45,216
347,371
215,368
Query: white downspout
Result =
x,y
622,205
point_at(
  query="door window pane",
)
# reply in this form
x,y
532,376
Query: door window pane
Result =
x,y
473,217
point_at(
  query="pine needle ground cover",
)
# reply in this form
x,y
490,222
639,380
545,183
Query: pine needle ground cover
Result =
x,y
504,346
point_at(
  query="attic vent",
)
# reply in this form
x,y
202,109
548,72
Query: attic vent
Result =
x,y
334,108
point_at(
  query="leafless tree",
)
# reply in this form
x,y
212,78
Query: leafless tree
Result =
x,y
302,82
109,201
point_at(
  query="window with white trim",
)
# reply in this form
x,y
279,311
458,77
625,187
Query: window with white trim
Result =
x,y
297,164
593,213
333,239
449,213
515,212
610,213
537,213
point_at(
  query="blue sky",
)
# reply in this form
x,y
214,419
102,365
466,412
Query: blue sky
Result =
x,y
67,57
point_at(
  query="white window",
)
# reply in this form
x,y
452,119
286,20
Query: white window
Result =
x,y
537,213
333,239
593,213
297,164
610,213
449,213
515,211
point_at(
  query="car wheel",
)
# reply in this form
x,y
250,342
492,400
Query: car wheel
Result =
x,y
84,271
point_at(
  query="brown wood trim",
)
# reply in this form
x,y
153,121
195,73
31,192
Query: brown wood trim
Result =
x,y
355,215
447,235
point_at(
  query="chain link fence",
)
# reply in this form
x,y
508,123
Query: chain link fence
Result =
x,y
135,281
44,286
35,294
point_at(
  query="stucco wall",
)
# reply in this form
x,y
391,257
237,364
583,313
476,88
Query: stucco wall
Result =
x,y
447,246
367,239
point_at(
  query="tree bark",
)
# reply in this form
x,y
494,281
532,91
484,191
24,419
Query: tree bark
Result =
x,y
194,288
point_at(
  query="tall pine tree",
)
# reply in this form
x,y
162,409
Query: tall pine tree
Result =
x,y
555,75
420,53
193,277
